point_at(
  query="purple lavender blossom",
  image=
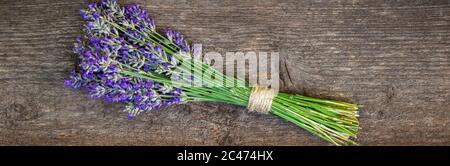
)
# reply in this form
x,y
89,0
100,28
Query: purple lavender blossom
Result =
x,y
177,38
139,16
105,52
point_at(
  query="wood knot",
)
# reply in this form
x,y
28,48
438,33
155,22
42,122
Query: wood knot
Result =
x,y
20,112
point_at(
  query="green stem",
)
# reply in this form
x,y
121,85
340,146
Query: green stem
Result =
x,y
333,121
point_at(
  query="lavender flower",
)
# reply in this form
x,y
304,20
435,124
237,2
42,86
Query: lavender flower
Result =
x,y
122,58
177,38
104,51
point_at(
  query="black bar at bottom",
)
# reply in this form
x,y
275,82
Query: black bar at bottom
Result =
x,y
229,155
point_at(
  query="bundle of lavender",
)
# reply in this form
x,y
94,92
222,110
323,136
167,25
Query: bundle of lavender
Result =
x,y
122,58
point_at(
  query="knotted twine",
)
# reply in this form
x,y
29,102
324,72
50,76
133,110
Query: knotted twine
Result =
x,y
260,99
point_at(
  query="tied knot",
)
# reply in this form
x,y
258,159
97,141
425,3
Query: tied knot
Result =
x,y
260,99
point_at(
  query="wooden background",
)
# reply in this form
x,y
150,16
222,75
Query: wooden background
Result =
x,y
391,56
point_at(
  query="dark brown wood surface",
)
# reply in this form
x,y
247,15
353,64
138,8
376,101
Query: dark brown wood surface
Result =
x,y
391,56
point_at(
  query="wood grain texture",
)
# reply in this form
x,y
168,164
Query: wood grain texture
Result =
x,y
391,56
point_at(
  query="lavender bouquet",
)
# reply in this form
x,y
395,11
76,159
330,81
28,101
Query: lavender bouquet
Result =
x,y
123,58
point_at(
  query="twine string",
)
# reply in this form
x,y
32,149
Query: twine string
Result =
x,y
260,99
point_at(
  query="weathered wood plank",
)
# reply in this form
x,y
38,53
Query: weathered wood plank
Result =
x,y
391,56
